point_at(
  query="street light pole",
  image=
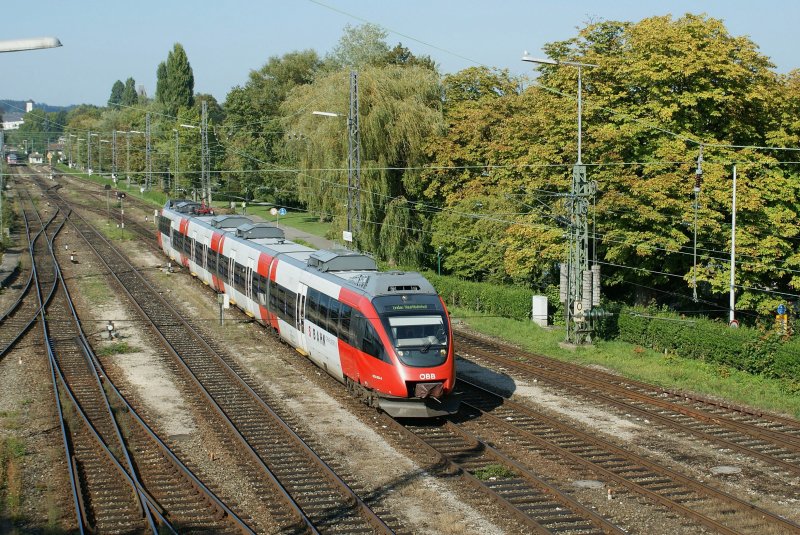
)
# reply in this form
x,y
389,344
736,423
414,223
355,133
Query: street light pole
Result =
x,y
353,157
114,156
100,151
580,280
175,181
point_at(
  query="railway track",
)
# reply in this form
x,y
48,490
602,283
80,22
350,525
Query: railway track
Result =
x,y
773,440
304,492
697,501
122,484
22,313
540,506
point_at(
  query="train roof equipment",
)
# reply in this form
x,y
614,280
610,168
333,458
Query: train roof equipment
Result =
x,y
259,231
341,260
230,221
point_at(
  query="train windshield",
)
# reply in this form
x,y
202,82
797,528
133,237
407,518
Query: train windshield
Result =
x,y
417,326
419,340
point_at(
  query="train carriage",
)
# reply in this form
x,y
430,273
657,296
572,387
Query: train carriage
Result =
x,y
386,335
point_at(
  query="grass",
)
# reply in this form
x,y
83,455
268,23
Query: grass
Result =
x,y
93,288
299,220
12,450
116,348
492,472
668,371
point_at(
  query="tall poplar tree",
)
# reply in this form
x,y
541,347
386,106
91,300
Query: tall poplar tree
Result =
x,y
175,81
116,95
129,96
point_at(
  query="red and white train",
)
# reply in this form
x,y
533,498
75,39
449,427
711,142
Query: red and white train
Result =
x,y
384,334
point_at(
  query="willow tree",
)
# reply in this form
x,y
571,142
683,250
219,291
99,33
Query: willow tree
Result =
x,y
399,109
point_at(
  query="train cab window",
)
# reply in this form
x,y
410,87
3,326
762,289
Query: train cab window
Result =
x,y
371,343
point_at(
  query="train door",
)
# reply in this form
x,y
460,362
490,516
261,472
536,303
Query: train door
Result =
x,y
300,317
248,286
231,268
193,254
206,249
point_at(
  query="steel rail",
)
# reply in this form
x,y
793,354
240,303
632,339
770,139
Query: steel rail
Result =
x,y
632,458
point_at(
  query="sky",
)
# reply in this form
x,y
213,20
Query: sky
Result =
x,y
107,40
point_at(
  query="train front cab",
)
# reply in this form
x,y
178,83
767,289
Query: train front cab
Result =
x,y
417,329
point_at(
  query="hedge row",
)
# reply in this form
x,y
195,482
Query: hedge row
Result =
x,y
506,301
746,349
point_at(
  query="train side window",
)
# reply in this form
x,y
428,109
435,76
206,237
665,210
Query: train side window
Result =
x,y
312,306
345,315
212,261
324,306
239,277
223,267
333,318
199,250
254,284
357,330
291,307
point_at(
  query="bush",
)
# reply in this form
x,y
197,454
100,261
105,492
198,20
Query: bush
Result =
x,y
505,301
750,350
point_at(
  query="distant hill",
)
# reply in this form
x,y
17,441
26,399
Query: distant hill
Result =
x,y
18,106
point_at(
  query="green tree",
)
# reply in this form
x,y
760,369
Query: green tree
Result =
x,y
661,88
129,96
161,83
401,55
399,110
116,95
254,137
360,46
175,81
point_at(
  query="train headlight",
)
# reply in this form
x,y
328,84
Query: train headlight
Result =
x,y
443,352
400,353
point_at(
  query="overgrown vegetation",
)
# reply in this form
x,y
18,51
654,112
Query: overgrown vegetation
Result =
x,y
12,450
116,348
765,351
493,471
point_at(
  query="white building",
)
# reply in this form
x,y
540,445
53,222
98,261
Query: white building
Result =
x,y
13,119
